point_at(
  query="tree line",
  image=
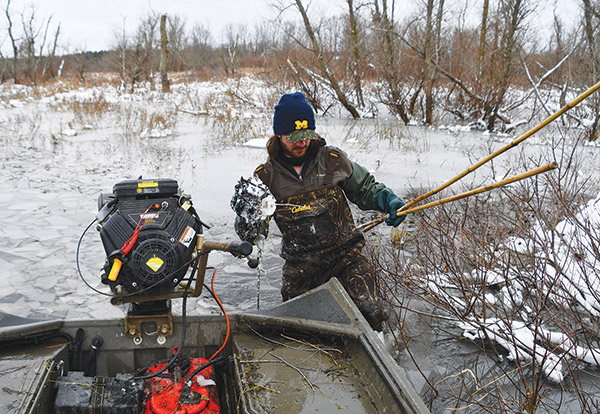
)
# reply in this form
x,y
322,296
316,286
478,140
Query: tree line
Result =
x,y
423,64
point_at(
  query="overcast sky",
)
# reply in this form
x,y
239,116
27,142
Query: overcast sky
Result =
x,y
91,24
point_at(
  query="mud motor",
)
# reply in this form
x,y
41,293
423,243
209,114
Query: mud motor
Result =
x,y
148,230
155,251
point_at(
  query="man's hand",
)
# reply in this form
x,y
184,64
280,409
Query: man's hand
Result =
x,y
389,202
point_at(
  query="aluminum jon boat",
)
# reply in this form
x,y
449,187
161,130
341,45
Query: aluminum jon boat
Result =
x,y
313,354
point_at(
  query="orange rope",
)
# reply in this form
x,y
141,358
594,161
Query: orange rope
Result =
x,y
212,286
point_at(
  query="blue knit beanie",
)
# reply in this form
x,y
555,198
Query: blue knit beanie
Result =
x,y
294,118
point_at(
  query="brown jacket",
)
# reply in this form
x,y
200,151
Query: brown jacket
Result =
x,y
358,184
313,214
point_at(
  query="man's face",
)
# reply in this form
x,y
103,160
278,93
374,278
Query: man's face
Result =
x,y
294,149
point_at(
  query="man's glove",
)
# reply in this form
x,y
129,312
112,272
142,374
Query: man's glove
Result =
x,y
389,202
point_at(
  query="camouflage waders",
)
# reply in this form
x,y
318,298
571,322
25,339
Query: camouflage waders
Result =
x,y
320,242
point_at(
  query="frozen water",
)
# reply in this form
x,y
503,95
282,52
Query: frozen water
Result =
x,y
50,185
54,167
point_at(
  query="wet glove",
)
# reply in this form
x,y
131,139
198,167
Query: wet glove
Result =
x,y
389,203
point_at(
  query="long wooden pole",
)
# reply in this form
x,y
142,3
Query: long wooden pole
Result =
x,y
483,189
551,118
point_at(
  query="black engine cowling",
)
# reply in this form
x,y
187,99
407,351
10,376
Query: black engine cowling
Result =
x,y
160,256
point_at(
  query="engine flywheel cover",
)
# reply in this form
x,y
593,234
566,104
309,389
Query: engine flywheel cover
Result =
x,y
155,263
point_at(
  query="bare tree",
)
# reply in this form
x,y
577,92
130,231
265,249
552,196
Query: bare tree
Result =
x,y
33,48
177,42
515,272
591,26
393,95
511,18
120,47
231,49
135,55
432,38
199,51
48,68
356,53
80,64
482,37
265,39
31,34
146,40
325,71
13,42
324,65
164,79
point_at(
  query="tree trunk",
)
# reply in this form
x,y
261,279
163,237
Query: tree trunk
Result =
x,y
482,41
164,79
589,35
53,54
428,72
327,72
432,45
515,11
591,38
356,60
13,43
396,100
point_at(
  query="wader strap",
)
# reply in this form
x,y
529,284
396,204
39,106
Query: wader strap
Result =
x,y
262,173
331,164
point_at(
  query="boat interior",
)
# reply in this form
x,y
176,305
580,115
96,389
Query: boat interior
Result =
x,y
314,353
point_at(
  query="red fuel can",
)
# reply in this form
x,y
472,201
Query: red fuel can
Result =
x,y
172,393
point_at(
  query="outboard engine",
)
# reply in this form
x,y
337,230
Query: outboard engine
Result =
x,y
148,230
153,240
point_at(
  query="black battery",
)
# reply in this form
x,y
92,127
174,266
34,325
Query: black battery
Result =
x,y
78,394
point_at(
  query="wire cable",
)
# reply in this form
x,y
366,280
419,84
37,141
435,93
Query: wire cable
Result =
x,y
77,261
128,245
183,329
207,364
212,291
212,360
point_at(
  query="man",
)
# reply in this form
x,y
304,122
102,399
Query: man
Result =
x,y
311,182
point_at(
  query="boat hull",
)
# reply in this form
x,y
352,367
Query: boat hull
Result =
x,y
314,353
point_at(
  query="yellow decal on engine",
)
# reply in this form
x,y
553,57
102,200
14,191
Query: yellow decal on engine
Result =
x,y
298,209
155,263
147,184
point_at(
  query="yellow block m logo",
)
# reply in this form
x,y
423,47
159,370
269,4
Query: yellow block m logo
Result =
x,y
302,124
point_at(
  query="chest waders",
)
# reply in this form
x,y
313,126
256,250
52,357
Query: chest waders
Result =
x,y
320,241
317,221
